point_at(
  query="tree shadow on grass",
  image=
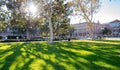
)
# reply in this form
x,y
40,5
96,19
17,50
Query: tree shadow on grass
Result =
x,y
60,56
104,55
13,52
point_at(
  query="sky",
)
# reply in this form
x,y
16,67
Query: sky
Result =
x,y
109,11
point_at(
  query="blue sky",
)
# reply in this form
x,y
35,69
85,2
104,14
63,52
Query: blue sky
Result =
x,y
109,11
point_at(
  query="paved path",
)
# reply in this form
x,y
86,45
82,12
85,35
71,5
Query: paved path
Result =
x,y
112,38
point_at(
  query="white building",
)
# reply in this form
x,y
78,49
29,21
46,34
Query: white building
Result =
x,y
115,28
82,30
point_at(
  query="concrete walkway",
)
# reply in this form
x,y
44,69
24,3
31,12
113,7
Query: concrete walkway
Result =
x,y
112,38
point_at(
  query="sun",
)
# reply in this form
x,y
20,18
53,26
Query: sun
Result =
x,y
32,9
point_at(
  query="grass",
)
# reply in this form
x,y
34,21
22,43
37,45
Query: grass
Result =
x,y
74,55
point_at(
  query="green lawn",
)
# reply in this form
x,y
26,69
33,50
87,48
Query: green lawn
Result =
x,y
75,55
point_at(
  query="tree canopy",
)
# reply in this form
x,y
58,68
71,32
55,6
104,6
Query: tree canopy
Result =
x,y
50,13
43,14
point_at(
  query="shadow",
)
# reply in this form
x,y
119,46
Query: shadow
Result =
x,y
14,51
60,56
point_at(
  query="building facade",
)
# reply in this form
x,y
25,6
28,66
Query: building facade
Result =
x,y
81,30
115,28
18,33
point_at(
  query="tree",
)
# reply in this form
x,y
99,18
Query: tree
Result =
x,y
60,17
2,22
45,29
52,12
4,15
71,30
46,8
22,16
106,31
85,9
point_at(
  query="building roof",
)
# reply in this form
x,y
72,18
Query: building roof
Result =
x,y
115,21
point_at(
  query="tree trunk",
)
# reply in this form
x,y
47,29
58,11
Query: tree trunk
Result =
x,y
27,30
27,34
89,21
51,30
